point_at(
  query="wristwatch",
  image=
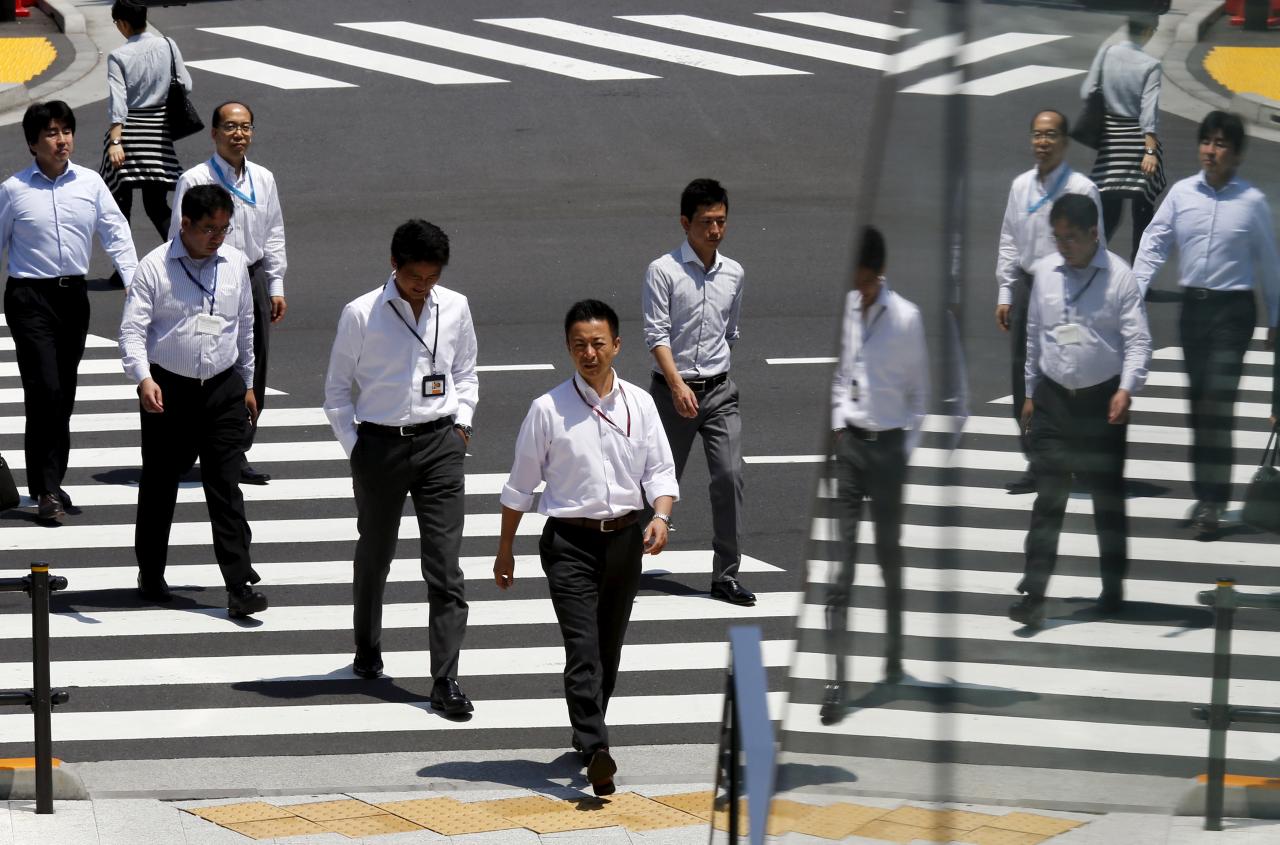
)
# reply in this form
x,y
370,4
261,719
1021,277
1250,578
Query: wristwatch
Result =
x,y
1151,151
465,429
115,142
664,517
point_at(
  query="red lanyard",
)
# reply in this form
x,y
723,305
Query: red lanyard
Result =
x,y
602,414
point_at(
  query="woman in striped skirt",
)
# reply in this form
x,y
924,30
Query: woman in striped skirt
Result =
x,y
138,152
1130,161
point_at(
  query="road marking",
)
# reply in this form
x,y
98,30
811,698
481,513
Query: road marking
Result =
x,y
346,54
131,456
801,360
1255,357
990,86
90,342
1161,405
842,23
512,368
265,74
497,51
650,49
1165,435
96,393
130,421
768,40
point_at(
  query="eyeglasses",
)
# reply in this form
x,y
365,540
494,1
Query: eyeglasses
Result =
x,y
1072,240
210,231
232,128
1051,135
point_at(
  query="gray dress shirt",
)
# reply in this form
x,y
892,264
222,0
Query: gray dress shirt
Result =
x,y
138,75
693,311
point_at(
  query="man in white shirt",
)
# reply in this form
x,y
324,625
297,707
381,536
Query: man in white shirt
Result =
x,y
1025,238
597,443
400,394
186,338
691,301
879,398
1088,346
257,231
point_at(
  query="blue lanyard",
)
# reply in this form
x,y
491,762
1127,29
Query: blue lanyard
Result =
x,y
869,331
1057,186
212,294
252,199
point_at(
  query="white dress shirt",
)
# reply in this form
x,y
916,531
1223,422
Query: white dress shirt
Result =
x,y
1130,83
376,367
1025,233
257,221
692,310
593,467
47,225
1102,301
885,356
1225,240
138,74
163,308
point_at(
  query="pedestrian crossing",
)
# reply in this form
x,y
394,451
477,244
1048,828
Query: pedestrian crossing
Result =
x,y
568,49
1088,692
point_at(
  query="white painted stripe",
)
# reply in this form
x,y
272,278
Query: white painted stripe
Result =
x,y
1160,378
161,621
497,51
991,86
98,393
925,52
512,368
267,668
1162,405
88,366
337,51
129,421
1167,435
784,459
309,719
801,360
90,342
1255,357
1259,333
131,456
403,570
265,74
943,85
630,44
947,46
842,23
768,40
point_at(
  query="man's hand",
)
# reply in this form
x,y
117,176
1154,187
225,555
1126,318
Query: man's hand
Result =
x,y
1118,413
1028,408
115,155
251,402
278,307
504,569
466,441
684,399
655,536
1002,317
1270,343
149,393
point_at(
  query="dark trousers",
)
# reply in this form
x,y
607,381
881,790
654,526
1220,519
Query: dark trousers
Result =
x,y
48,321
1216,328
155,202
1070,435
1018,350
204,420
593,577
1113,207
876,470
427,467
261,344
720,425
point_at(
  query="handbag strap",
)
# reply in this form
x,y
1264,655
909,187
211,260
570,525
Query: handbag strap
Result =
x,y
1102,63
173,64
1269,453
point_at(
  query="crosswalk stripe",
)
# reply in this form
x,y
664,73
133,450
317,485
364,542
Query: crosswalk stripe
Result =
x,y
130,421
265,74
1162,405
650,49
497,51
112,366
990,86
131,456
842,23
347,54
90,342
768,40
96,393
1167,435
801,360
1254,357
948,46
1160,378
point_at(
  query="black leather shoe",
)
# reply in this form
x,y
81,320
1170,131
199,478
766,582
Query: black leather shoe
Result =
x,y
244,601
448,697
1025,484
600,772
154,589
367,666
1205,518
49,510
893,673
832,704
249,475
1028,611
734,593
65,498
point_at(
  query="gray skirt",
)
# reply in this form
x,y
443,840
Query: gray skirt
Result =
x,y
1118,168
148,153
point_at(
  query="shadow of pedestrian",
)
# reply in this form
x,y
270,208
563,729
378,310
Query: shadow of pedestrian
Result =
x,y
558,778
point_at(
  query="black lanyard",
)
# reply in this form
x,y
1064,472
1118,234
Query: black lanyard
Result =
x,y
1073,300
869,330
602,414
431,350
212,294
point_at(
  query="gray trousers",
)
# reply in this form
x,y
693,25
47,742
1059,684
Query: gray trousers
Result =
x,y
720,425
428,467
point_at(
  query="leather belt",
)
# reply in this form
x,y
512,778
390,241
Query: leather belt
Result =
x,y
1193,292
60,281
698,385
869,435
602,525
404,430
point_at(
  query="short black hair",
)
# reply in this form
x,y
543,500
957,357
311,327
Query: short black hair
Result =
x,y
131,12
872,252
1229,124
1062,118
590,309
39,115
204,200
217,111
417,240
1079,211
702,192
1139,25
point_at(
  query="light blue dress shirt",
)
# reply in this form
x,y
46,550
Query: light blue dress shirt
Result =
x,y
47,225
692,310
138,74
1225,240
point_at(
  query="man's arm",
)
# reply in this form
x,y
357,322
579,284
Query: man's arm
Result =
x,y
1008,266
1096,196
175,218
274,261
1031,371
918,388
1136,334
245,362
1266,262
339,381
1157,241
843,373
731,326
135,320
465,381
6,219
504,563
114,235
526,474
655,303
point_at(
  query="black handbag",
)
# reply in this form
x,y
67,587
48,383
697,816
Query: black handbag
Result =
x,y
1089,126
9,497
179,114
1262,498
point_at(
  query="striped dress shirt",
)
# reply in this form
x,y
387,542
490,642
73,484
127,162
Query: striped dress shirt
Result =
x,y
693,311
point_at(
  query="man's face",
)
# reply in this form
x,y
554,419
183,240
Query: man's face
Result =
x,y
1076,245
203,237
593,347
706,229
1048,141
233,133
54,146
1218,158
416,279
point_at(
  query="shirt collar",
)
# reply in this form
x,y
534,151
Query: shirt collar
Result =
x,y
882,299
1202,182
228,168
138,36
1099,260
37,172
177,249
688,256
589,392
390,293
1051,177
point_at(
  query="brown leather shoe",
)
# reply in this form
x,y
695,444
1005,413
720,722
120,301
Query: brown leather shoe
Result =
x,y
600,772
49,509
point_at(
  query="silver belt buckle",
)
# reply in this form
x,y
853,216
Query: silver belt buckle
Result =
x,y
872,436
605,522
402,431
1201,293
63,280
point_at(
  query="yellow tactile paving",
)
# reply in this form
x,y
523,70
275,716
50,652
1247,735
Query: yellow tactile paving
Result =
x,y
1246,70
1032,823
921,817
233,813
636,812
694,803
891,831
999,836
450,817
276,828
837,821
22,59
324,811
379,825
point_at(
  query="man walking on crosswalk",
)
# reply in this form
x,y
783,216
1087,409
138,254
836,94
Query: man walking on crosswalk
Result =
x,y
400,394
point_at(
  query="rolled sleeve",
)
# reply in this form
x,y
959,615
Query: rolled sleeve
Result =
x,y
655,303
527,468
659,476
1149,118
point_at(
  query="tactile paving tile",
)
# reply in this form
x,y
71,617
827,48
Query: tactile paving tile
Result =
x,y
236,813
526,806
922,817
837,821
1032,823
638,813
783,813
891,831
450,817
694,803
323,811
1000,836
565,820
383,823
275,828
